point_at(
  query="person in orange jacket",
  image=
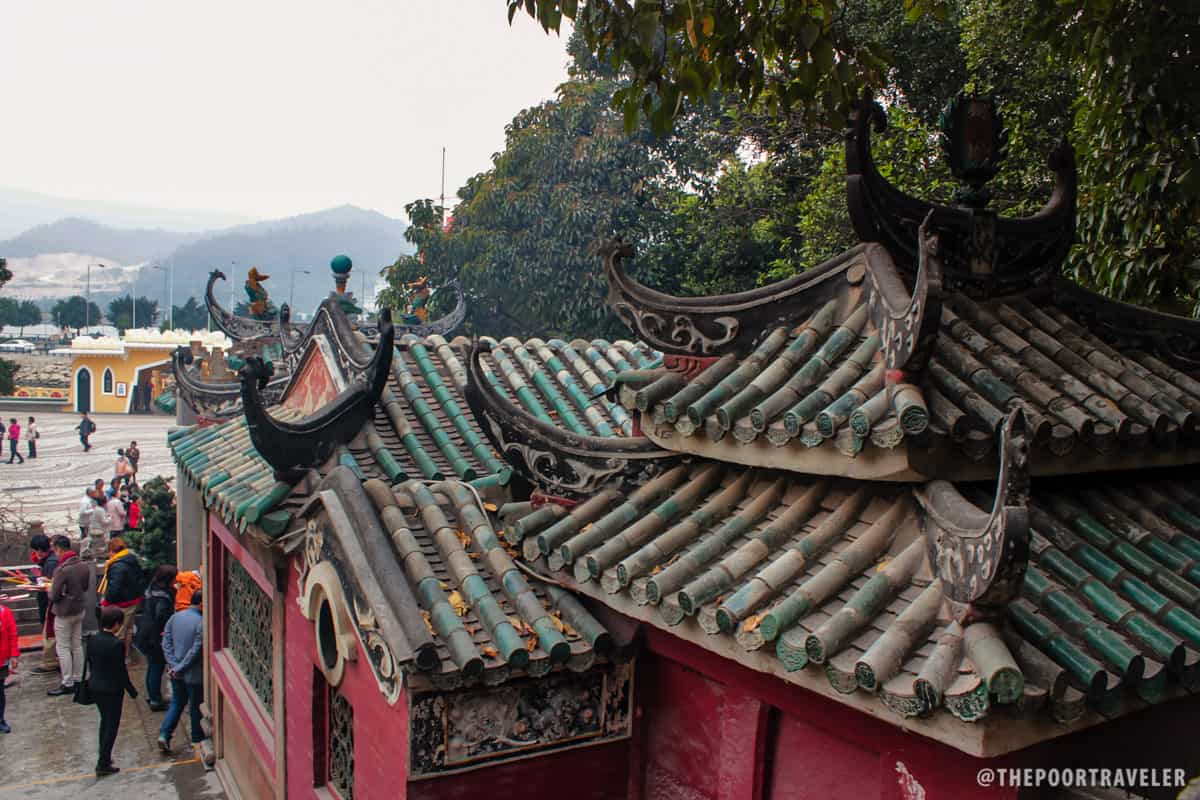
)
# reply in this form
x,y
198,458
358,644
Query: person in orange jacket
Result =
x,y
186,584
10,651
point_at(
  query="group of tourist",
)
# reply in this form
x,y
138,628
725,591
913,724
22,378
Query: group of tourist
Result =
x,y
114,509
159,619
15,434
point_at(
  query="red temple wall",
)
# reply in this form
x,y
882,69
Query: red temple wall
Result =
x,y
380,730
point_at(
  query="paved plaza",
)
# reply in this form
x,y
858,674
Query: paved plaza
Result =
x,y
49,487
51,753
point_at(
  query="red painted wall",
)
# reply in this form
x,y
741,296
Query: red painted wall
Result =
x,y
717,731
380,730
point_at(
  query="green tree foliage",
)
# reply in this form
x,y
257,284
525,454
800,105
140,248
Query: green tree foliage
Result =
x,y
1120,78
8,376
5,273
785,55
191,316
155,541
1139,114
120,312
70,312
522,238
19,313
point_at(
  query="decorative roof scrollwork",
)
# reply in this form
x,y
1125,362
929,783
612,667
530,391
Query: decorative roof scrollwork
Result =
x,y
233,326
557,461
719,324
985,255
981,557
907,323
292,447
444,325
216,399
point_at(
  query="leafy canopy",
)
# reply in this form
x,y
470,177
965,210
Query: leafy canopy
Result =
x,y
792,55
120,312
155,541
75,312
190,316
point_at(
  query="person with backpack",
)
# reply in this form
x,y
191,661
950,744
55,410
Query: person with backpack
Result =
x,y
122,584
86,428
158,605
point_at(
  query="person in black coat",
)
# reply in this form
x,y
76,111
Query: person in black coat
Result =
x,y
157,607
108,681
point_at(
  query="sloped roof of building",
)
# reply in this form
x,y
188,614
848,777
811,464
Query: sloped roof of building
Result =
x,y
421,427
827,479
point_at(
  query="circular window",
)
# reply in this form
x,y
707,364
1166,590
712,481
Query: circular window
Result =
x,y
326,635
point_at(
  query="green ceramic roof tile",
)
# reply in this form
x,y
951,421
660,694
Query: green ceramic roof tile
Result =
x,y
828,572
565,384
488,621
825,380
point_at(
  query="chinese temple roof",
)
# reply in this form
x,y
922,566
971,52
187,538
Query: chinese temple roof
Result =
x,y
456,607
421,426
929,476
837,576
820,388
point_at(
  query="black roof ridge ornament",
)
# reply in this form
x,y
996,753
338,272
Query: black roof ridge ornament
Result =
x,y
985,255
292,447
216,399
235,327
555,460
981,556
716,324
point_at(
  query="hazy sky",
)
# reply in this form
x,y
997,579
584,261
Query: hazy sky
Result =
x,y
262,107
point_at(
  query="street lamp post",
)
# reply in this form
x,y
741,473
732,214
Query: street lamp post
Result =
x,y
167,297
292,294
87,301
133,302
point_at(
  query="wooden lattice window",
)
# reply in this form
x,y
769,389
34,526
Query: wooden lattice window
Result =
x,y
248,634
341,745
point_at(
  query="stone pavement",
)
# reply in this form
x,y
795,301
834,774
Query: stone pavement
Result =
x,y
51,753
49,487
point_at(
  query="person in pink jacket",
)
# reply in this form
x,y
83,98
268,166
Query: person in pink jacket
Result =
x,y
10,650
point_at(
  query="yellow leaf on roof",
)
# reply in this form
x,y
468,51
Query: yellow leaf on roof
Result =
x,y
752,623
472,554
463,538
531,643
428,621
491,652
558,623
490,507
457,602
443,584
657,569
882,565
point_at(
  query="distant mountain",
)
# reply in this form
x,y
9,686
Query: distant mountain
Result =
x,y
21,210
279,247
76,235
51,260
